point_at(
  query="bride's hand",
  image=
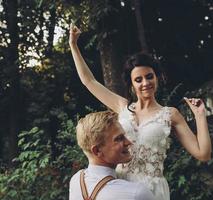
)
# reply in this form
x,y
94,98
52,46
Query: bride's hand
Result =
x,y
196,105
74,34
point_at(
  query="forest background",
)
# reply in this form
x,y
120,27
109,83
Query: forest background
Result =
x,y
41,97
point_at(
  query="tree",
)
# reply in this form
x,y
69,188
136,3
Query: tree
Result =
x,y
35,76
12,62
115,28
140,26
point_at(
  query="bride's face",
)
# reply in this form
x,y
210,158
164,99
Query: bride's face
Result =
x,y
144,81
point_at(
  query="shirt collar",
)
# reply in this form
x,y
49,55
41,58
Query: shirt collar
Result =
x,y
101,170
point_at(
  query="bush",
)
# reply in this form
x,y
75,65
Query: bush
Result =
x,y
186,175
39,173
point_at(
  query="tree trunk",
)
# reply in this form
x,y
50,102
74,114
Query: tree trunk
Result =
x,y
51,28
141,31
111,48
111,62
14,109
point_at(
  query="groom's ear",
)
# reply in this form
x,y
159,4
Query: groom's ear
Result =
x,y
96,151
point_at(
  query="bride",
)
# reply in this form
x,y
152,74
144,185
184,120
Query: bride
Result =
x,y
146,123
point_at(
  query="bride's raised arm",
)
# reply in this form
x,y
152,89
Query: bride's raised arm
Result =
x,y
198,145
107,97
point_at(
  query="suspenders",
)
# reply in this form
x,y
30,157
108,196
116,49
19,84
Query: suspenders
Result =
x,y
97,188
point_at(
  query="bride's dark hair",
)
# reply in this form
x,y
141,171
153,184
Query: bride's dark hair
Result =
x,y
138,60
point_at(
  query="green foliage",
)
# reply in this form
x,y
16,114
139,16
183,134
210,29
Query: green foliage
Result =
x,y
40,174
186,175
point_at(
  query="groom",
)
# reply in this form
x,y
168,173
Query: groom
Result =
x,y
103,141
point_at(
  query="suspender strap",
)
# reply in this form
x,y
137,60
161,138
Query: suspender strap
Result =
x,y
97,188
83,186
100,185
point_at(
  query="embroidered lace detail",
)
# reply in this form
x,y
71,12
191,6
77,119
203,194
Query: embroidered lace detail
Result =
x,y
162,116
150,142
147,161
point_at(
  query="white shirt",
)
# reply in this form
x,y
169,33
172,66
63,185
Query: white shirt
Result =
x,y
116,189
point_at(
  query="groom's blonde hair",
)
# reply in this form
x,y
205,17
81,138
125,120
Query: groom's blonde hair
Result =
x,y
91,130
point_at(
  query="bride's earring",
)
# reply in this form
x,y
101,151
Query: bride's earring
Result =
x,y
132,91
133,94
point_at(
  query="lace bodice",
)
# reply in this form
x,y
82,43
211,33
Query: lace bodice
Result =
x,y
150,142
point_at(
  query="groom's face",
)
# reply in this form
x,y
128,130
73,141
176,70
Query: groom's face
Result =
x,y
116,147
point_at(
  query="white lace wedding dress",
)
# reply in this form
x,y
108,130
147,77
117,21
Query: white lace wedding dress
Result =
x,y
150,142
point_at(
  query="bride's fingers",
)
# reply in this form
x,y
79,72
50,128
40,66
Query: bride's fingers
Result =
x,y
187,101
193,101
73,27
196,102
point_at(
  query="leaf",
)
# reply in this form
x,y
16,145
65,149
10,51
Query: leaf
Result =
x,y
34,130
39,3
21,141
43,163
181,181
